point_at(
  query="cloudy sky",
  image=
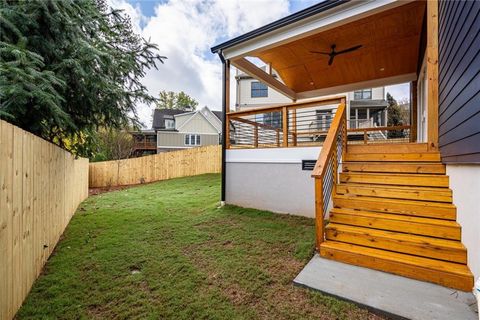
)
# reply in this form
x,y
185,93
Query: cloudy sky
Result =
x,y
185,30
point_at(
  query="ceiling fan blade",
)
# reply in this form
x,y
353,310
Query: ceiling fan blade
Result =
x,y
349,49
330,61
321,52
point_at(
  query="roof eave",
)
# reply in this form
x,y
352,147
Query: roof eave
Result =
x,y
303,14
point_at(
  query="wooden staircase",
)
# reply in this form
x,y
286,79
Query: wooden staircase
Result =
x,y
393,211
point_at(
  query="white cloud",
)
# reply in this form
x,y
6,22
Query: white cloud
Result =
x,y
185,30
399,91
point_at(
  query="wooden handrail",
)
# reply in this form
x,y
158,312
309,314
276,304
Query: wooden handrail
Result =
x,y
327,148
253,123
325,185
279,107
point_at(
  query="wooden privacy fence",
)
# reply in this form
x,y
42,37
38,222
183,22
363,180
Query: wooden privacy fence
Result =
x,y
41,186
167,165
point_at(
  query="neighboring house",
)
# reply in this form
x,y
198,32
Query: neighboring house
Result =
x,y
146,140
189,129
393,208
178,129
366,107
145,143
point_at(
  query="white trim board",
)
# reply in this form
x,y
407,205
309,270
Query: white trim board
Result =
x,y
272,155
185,132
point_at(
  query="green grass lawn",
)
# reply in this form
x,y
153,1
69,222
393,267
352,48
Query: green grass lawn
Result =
x,y
165,250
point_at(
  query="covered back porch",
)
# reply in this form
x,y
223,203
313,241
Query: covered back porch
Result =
x,y
383,188
383,43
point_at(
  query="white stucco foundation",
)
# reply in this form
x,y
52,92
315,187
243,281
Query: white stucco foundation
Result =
x,y
465,183
271,179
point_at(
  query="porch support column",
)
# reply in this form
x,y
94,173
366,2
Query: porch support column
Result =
x,y
225,110
432,74
413,111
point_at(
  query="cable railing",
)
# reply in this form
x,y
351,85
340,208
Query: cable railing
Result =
x,y
371,135
290,125
303,124
327,168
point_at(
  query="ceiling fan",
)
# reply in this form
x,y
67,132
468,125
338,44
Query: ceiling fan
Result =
x,y
334,53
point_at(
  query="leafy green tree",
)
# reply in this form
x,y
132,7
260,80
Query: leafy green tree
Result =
x,y
70,67
397,116
113,145
172,100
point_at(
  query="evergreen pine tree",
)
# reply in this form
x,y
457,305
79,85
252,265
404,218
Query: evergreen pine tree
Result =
x,y
68,68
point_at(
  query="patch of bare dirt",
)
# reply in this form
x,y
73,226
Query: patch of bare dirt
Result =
x,y
96,191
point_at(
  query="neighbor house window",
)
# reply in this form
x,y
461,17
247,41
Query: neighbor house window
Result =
x,y
259,90
192,139
363,94
169,124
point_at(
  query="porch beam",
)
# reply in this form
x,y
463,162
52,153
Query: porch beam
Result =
x,y
251,69
413,111
225,122
432,74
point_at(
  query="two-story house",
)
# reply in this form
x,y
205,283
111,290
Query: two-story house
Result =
x,y
179,129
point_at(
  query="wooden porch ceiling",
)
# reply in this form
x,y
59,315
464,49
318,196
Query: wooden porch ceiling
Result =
x,y
390,47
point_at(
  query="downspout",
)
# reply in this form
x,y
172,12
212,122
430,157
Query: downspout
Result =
x,y
225,69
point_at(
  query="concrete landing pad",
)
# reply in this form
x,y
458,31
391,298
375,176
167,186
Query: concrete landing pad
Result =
x,y
386,293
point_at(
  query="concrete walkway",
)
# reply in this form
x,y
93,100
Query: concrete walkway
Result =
x,y
386,293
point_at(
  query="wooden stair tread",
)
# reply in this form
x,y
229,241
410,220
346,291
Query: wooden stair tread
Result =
x,y
396,192
402,175
424,246
427,209
394,167
387,148
449,274
424,203
432,264
394,157
453,244
390,216
405,179
439,228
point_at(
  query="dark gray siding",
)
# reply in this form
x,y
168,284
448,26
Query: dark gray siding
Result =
x,y
459,81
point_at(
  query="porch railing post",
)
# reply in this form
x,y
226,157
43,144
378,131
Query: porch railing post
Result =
x,y
255,136
413,111
319,222
294,126
285,126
